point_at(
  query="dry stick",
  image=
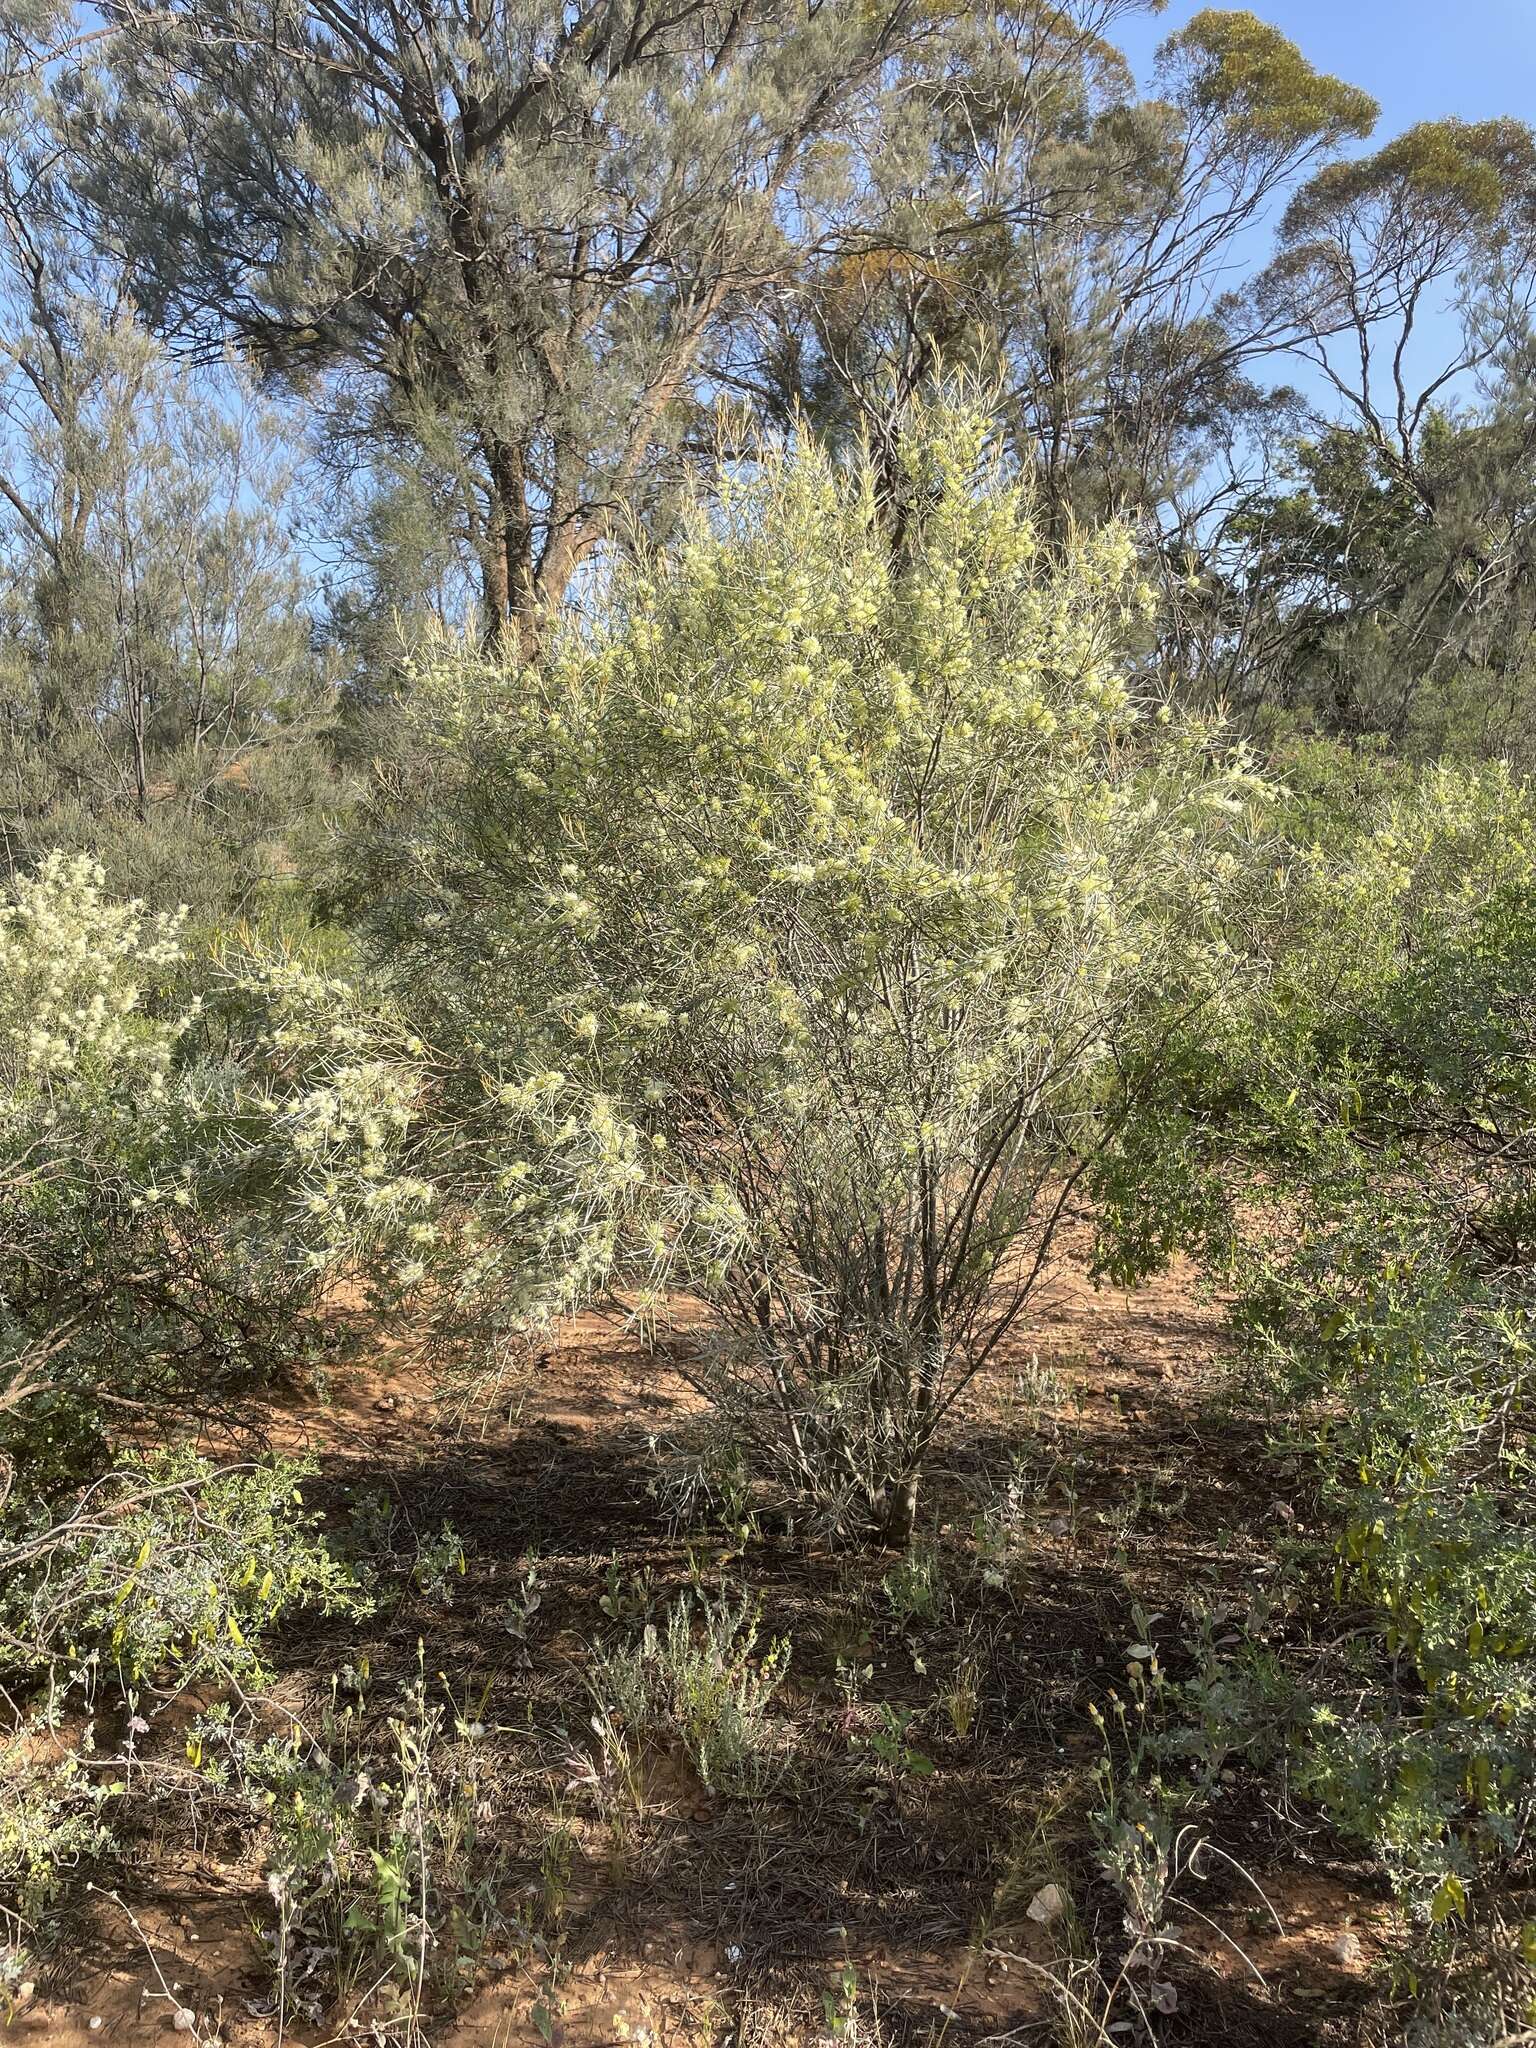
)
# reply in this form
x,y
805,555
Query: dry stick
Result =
x,y
165,1990
421,1866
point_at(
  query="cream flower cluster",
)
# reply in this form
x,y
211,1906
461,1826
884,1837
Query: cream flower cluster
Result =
x,y
74,967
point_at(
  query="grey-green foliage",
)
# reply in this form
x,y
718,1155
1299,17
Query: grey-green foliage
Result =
x,y
1369,1127
1381,582
1078,238
516,247
161,701
53,1818
500,237
701,1682
1388,590
160,694
791,936
394,580
173,1192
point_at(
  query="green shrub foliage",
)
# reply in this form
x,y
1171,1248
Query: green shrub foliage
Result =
x,y
794,932
1361,1151
176,1186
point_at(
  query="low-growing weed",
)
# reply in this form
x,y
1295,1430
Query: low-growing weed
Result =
x,y
518,1611
1003,1523
628,1598
960,1696
53,1823
382,1875
887,1742
915,1589
441,1562
701,1682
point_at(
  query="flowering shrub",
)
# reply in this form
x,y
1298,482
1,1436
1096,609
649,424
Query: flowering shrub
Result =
x,y
797,928
73,967
166,1216
179,1179
337,1087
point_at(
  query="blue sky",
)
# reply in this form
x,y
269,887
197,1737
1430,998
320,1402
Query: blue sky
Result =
x,y
1419,58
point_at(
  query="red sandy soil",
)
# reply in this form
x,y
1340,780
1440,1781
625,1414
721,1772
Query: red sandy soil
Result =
x,y
920,1903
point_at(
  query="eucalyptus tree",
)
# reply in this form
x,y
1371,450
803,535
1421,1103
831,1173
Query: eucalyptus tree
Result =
x,y
1382,580
1079,241
1441,221
499,238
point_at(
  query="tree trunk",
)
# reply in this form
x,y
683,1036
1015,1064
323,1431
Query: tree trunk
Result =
x,y
900,1513
508,578
137,712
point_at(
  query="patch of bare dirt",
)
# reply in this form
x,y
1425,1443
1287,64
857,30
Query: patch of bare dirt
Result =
x,y
900,1900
